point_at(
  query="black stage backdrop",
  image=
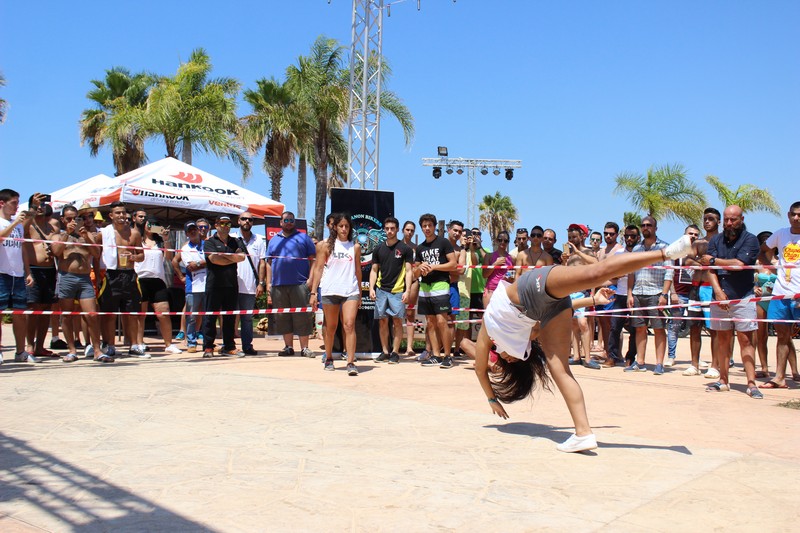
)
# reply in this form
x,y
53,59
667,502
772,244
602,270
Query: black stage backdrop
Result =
x,y
367,210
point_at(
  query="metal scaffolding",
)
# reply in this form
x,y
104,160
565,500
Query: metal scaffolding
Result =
x,y
448,165
366,57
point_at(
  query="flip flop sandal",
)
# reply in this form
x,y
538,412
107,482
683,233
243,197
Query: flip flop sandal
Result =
x,y
70,358
773,385
760,374
104,359
718,387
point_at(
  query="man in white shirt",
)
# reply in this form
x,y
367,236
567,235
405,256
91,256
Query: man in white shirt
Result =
x,y
251,273
787,241
15,273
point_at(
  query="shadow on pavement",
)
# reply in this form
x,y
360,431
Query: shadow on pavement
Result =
x,y
77,499
558,435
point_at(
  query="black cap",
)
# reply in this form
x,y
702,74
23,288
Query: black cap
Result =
x,y
189,225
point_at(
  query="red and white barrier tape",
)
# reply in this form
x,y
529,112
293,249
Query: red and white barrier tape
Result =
x,y
702,304
168,313
710,319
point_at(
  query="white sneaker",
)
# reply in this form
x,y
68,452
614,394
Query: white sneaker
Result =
x,y
704,365
691,371
669,361
1,358
578,444
680,248
711,373
88,351
173,349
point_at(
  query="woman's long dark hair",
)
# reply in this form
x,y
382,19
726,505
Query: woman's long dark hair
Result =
x,y
338,217
516,380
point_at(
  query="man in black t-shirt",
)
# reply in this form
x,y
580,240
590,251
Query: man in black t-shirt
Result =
x,y
389,282
435,258
222,287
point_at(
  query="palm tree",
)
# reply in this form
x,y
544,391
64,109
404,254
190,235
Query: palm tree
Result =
x,y
747,196
317,83
497,213
3,103
664,193
631,219
321,88
191,111
118,118
275,124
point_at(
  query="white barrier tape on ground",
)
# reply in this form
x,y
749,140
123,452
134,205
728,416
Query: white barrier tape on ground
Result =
x,y
701,304
769,320
167,313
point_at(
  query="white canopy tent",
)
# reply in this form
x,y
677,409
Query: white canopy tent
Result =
x,y
176,191
78,193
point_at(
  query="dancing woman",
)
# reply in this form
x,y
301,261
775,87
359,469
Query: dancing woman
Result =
x,y
543,296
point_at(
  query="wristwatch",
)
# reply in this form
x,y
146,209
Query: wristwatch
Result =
x,y
712,261
262,283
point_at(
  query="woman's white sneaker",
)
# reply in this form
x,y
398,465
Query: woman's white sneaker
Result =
x,y
578,444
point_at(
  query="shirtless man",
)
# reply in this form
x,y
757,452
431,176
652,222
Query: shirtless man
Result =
x,y
74,282
42,293
535,255
119,290
576,253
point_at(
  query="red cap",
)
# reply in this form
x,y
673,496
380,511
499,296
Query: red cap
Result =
x,y
580,227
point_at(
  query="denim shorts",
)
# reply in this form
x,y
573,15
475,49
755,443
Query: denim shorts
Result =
x,y
389,304
13,293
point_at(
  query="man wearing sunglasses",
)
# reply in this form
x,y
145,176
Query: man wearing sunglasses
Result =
x,y
290,255
222,287
251,273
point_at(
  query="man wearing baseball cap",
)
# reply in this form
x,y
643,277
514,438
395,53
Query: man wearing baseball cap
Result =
x,y
190,259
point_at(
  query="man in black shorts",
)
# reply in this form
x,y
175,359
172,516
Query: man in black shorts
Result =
x,y
435,258
42,293
119,291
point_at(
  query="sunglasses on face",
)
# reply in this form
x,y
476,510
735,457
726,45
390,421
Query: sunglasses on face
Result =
x,y
476,233
609,233
224,224
288,221
202,227
69,219
631,236
502,240
595,239
537,235
646,224
246,219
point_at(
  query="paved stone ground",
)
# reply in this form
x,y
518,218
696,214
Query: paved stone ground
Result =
x,y
267,443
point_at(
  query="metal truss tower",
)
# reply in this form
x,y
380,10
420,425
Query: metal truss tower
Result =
x,y
459,164
363,135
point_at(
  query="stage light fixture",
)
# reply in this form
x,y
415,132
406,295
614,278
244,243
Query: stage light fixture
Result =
x,y
484,171
449,170
509,174
442,151
437,172
496,172
460,171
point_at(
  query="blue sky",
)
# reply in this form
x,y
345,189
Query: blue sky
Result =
x,y
578,90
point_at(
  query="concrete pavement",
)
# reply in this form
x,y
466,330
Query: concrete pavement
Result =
x,y
276,444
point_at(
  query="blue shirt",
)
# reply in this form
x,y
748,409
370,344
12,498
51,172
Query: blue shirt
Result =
x,y
736,283
283,253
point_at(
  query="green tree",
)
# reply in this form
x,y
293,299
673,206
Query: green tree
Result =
x,y
275,125
3,103
631,219
117,119
320,85
663,193
748,197
498,213
192,111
